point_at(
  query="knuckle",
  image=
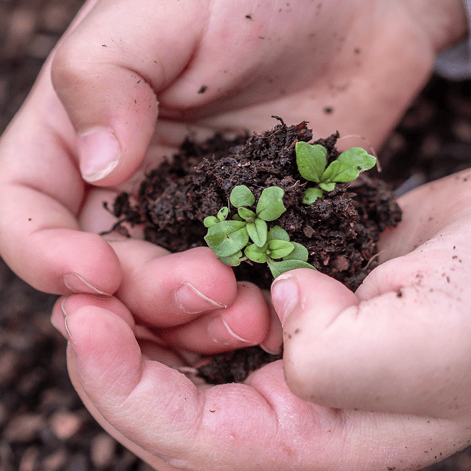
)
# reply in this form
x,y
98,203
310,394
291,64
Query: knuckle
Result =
x,y
72,65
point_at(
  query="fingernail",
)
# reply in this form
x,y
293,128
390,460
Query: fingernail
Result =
x,y
99,153
192,301
63,309
77,284
70,339
60,324
64,328
221,333
284,295
269,350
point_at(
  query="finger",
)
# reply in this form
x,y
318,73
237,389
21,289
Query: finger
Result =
x,y
151,345
380,353
107,81
165,290
41,192
407,324
427,211
274,340
242,324
158,412
68,304
40,198
245,322
40,241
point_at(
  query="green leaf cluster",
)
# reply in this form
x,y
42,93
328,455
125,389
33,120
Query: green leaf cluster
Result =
x,y
246,236
312,165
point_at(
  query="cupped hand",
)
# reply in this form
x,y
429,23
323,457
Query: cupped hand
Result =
x,y
381,374
198,67
399,345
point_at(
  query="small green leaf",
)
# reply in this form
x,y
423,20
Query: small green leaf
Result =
x,y
258,232
233,260
311,160
246,214
223,213
279,248
277,233
311,194
270,205
210,221
327,186
299,253
349,165
227,237
241,196
331,172
277,268
256,254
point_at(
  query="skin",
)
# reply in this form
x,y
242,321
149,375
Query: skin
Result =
x,y
133,70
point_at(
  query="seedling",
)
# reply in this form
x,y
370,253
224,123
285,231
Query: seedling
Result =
x,y
246,235
312,165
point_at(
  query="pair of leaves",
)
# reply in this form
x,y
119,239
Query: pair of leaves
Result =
x,y
312,165
278,246
227,238
270,204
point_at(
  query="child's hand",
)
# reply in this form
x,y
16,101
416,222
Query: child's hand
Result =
x,y
399,376
383,371
401,344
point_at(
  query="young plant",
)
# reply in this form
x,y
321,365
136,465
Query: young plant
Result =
x,y
279,253
246,235
312,165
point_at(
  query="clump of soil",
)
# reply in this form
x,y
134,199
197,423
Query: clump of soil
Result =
x,y
340,230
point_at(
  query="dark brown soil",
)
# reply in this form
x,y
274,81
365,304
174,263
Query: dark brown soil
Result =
x,y
340,230
433,140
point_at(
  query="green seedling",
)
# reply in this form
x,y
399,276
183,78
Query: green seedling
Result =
x,y
246,235
312,165
279,253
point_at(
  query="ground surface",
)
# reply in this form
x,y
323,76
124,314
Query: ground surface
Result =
x,y
42,423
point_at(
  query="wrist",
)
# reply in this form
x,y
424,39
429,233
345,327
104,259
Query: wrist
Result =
x,y
445,22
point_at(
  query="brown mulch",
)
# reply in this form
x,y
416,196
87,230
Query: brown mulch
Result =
x,y
43,425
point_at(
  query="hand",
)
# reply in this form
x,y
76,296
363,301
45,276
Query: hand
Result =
x,y
99,120
398,347
383,370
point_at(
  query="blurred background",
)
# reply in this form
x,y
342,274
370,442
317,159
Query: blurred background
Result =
x,y
43,426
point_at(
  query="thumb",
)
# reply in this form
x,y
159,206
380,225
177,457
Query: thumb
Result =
x,y
376,354
107,72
